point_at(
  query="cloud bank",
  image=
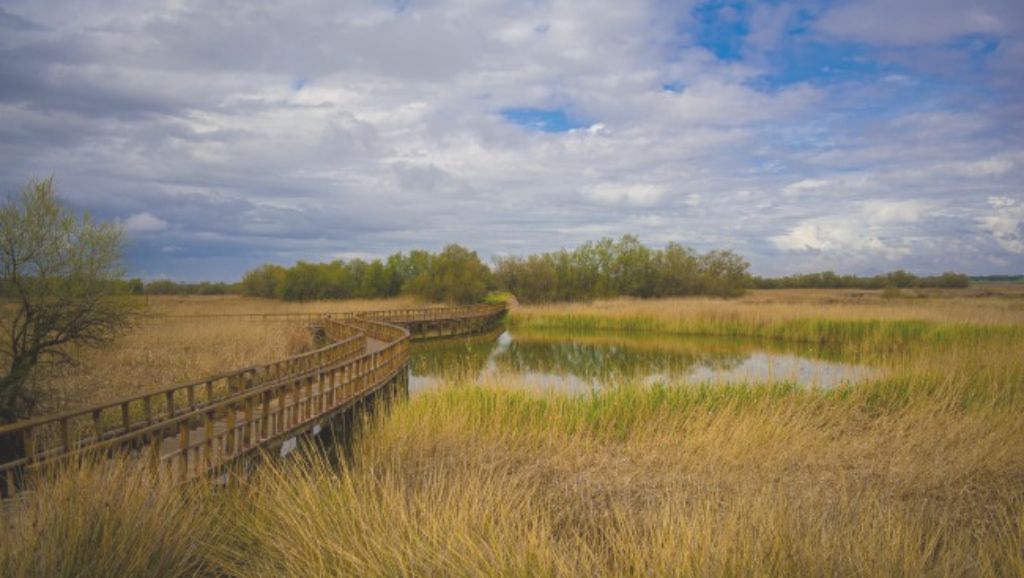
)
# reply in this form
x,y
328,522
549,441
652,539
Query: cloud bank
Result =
x,y
859,136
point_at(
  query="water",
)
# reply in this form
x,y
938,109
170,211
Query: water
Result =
x,y
584,361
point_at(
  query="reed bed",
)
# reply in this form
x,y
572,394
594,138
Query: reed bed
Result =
x,y
864,326
749,481
918,472
757,480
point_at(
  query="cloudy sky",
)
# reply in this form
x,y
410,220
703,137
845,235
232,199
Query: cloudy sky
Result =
x,y
859,136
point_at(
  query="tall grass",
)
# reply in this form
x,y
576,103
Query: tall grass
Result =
x,y
919,472
108,519
754,481
770,480
864,328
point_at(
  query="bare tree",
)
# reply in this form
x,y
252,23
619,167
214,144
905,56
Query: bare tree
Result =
x,y
60,284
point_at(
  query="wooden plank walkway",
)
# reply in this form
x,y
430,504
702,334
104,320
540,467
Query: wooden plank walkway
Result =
x,y
198,428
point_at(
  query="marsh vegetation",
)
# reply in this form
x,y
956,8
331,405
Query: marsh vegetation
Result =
x,y
917,469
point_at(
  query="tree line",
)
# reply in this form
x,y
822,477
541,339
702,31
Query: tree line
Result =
x,y
455,274
997,279
137,286
609,268
595,270
895,280
605,268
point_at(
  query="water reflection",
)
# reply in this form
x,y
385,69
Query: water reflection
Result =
x,y
581,361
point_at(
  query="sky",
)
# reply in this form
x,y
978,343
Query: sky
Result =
x,y
860,136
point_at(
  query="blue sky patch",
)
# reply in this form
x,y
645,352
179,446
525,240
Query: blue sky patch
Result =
x,y
545,120
722,28
818,62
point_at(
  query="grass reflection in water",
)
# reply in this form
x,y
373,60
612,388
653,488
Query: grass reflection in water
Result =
x,y
585,360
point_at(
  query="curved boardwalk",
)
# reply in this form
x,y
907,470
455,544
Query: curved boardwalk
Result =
x,y
199,428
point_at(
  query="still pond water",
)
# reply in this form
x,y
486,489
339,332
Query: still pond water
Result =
x,y
584,361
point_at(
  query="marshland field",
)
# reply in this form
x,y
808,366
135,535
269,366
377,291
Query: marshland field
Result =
x,y
783,433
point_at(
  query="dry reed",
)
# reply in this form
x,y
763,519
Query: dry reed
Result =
x,y
919,472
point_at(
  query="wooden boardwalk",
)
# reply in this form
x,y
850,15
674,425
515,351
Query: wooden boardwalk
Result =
x,y
199,428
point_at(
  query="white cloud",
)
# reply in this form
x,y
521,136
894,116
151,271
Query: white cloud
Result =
x,y
994,166
805,186
886,211
874,228
1006,223
910,22
846,238
639,194
144,223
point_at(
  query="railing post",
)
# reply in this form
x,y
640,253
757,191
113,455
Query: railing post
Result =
x,y
229,438
208,441
183,433
279,415
96,425
265,417
8,477
65,435
126,418
156,438
250,402
29,441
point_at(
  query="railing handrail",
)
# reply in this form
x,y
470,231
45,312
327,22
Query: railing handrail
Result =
x,y
41,438
481,310
227,401
6,429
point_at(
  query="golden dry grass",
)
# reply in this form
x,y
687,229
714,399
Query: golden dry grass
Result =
x,y
183,339
763,481
996,305
919,472
768,480
215,305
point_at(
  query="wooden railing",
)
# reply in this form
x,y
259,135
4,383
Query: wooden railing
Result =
x,y
428,314
192,443
49,436
201,425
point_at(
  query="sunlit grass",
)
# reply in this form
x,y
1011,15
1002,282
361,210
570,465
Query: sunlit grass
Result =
x,y
771,480
766,480
917,472
864,326
109,519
